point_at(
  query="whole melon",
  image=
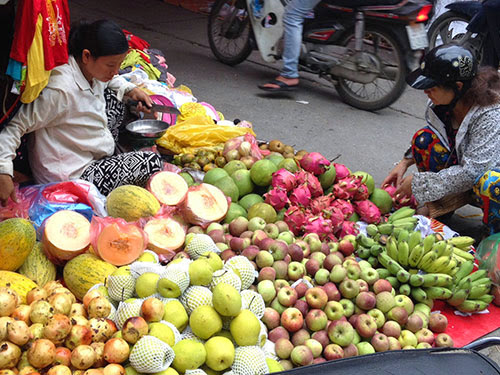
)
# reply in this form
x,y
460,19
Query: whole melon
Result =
x,y
131,203
84,271
17,238
17,282
38,267
382,200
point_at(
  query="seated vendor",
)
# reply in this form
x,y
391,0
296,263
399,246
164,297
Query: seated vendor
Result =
x,y
459,149
68,124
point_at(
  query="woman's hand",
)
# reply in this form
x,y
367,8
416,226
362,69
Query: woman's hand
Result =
x,y
6,189
396,175
404,189
139,95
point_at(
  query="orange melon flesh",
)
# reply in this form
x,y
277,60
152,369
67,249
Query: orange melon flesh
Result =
x,y
164,235
168,187
204,204
66,234
120,245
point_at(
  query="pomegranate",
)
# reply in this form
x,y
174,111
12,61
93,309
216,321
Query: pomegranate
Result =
x,y
36,294
114,369
102,329
83,357
116,350
134,328
36,331
78,335
23,361
22,312
63,356
94,371
99,352
41,353
59,370
8,303
41,311
89,296
4,320
77,309
18,332
152,310
61,302
9,371
79,320
99,307
57,328
27,370
64,291
52,285
9,354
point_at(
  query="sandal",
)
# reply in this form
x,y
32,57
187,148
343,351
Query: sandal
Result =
x,y
282,86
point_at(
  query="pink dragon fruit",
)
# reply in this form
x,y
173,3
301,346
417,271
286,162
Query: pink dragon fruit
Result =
x,y
301,196
314,186
367,211
277,198
284,179
314,162
336,216
339,192
404,201
362,193
295,218
344,206
319,225
347,187
348,227
321,203
341,171
391,189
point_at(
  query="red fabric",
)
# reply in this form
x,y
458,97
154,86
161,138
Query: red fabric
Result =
x,y
466,329
135,42
55,30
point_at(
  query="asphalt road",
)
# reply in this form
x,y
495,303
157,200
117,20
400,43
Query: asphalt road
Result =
x,y
314,118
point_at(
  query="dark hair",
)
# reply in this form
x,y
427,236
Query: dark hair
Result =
x,y
485,88
101,38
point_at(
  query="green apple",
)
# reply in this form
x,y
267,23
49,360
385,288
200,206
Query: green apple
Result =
x,y
220,353
200,272
267,290
286,236
146,284
176,314
226,299
365,347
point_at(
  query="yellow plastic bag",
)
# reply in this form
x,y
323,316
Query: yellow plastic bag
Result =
x,y
198,131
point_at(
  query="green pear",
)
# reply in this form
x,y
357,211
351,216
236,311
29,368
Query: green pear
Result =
x,y
205,322
220,353
122,271
189,355
169,371
129,370
162,332
146,284
245,328
168,288
273,365
200,272
226,334
147,257
176,314
214,260
226,299
209,371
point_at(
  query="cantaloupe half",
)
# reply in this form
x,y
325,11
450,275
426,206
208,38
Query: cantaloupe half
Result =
x,y
120,244
164,235
204,204
168,187
66,234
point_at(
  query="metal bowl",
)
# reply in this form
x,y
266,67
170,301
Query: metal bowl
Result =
x,y
147,128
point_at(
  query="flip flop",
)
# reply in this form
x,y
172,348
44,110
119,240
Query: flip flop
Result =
x,y
283,87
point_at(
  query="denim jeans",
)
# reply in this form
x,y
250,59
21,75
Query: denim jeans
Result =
x,y
293,20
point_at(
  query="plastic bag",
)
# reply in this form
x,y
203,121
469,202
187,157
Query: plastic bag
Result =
x,y
25,197
252,149
488,256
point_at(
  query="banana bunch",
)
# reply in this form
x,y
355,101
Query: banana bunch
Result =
x,y
401,219
470,291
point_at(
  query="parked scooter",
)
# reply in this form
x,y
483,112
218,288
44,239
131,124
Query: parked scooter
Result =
x,y
364,47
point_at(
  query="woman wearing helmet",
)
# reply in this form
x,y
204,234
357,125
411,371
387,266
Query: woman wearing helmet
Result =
x,y
459,149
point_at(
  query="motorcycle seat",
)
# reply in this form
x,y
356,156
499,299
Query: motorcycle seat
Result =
x,y
366,4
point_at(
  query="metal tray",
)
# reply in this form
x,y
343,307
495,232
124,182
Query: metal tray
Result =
x,y
443,361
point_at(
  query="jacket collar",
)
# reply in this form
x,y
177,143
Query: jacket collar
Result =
x,y
80,79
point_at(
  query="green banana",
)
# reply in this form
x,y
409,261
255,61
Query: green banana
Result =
x,y
363,252
406,220
376,249
479,291
462,242
383,273
385,228
488,298
437,279
448,251
405,289
403,252
416,280
427,260
464,270
465,283
451,268
438,292
405,226
472,306
373,261
459,296
395,231
403,235
403,276
365,241
394,281
428,242
401,213
464,254
414,239
392,248
439,247
481,281
439,264
383,239
371,230
479,274
418,294
415,255
389,263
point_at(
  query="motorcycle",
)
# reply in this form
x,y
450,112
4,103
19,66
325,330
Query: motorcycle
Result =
x,y
364,47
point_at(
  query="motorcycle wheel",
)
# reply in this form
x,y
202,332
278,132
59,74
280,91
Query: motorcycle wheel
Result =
x,y
229,31
385,89
447,28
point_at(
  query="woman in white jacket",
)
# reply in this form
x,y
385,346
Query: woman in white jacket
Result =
x,y
69,135
459,149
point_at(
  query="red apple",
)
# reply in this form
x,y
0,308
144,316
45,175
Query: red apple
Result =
x,y
382,285
331,291
292,319
287,296
271,318
438,323
366,326
316,298
300,337
278,333
316,320
333,351
302,306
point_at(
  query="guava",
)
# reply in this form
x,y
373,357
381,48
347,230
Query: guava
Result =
x,y
243,181
235,210
233,166
249,200
366,179
264,211
213,175
228,187
328,177
275,157
187,177
262,172
382,200
289,164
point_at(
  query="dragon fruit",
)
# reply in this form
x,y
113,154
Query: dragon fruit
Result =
x,y
284,179
314,186
295,218
348,227
347,187
336,217
341,171
362,193
277,198
344,206
367,211
391,189
301,196
398,202
321,203
314,162
319,225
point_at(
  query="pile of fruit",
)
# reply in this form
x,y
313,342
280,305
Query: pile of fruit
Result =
x,y
260,267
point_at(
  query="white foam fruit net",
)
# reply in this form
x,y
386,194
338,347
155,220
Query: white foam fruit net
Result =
x,y
245,269
188,334
197,371
112,313
196,296
227,276
139,268
249,360
178,274
254,302
200,244
270,350
127,310
121,287
177,334
262,334
150,355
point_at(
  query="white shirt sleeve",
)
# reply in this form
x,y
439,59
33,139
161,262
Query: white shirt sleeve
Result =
x,y
121,86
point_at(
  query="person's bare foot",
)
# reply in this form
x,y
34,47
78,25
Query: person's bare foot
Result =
x,y
288,84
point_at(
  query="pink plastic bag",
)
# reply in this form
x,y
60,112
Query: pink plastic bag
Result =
x,y
252,149
25,197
